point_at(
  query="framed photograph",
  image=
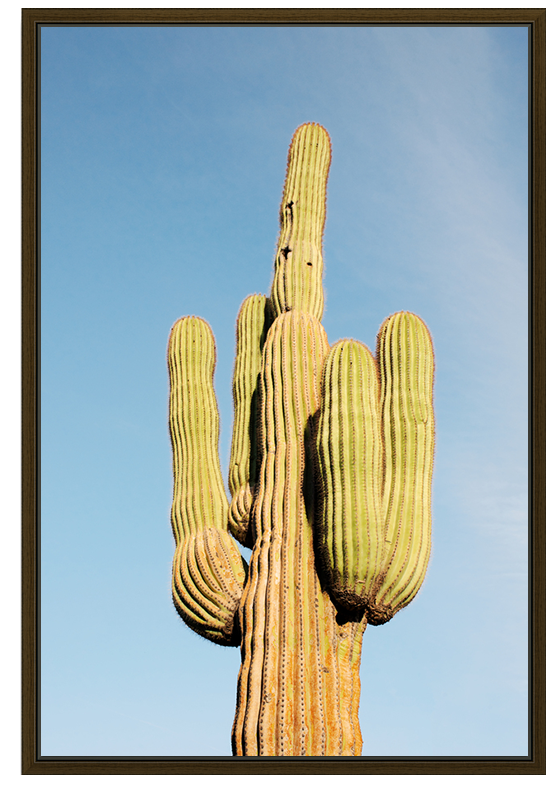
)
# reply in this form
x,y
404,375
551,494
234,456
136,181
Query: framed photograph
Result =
x,y
155,145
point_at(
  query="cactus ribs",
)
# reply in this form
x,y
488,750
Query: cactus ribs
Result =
x,y
330,478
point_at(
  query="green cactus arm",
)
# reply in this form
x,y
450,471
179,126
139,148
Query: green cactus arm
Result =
x,y
199,493
406,362
297,281
251,329
349,464
208,571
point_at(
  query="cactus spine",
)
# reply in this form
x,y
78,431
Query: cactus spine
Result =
x,y
330,474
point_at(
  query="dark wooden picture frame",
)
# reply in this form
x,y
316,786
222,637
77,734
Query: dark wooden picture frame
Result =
x,y
32,763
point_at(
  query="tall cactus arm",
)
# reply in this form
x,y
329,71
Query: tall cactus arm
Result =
x,y
297,282
251,329
208,571
349,463
406,361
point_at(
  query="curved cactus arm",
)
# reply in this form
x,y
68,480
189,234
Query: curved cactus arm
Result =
x,y
297,281
208,576
406,361
251,329
349,464
208,570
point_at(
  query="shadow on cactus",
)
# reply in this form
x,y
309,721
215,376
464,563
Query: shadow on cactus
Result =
x,y
330,479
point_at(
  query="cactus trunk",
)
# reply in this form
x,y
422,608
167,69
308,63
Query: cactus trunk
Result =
x,y
330,475
298,686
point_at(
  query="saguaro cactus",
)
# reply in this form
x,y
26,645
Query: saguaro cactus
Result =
x,y
330,478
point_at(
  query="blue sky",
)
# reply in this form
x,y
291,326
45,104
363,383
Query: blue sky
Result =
x,y
163,159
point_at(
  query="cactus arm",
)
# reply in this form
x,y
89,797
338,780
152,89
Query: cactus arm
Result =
x,y
251,329
297,281
406,362
349,464
199,493
374,453
208,571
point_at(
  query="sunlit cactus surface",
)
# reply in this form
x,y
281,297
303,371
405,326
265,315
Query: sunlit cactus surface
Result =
x,y
330,480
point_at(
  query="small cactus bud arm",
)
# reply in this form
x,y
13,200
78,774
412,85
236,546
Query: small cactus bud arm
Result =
x,y
297,282
349,461
406,361
208,570
251,328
